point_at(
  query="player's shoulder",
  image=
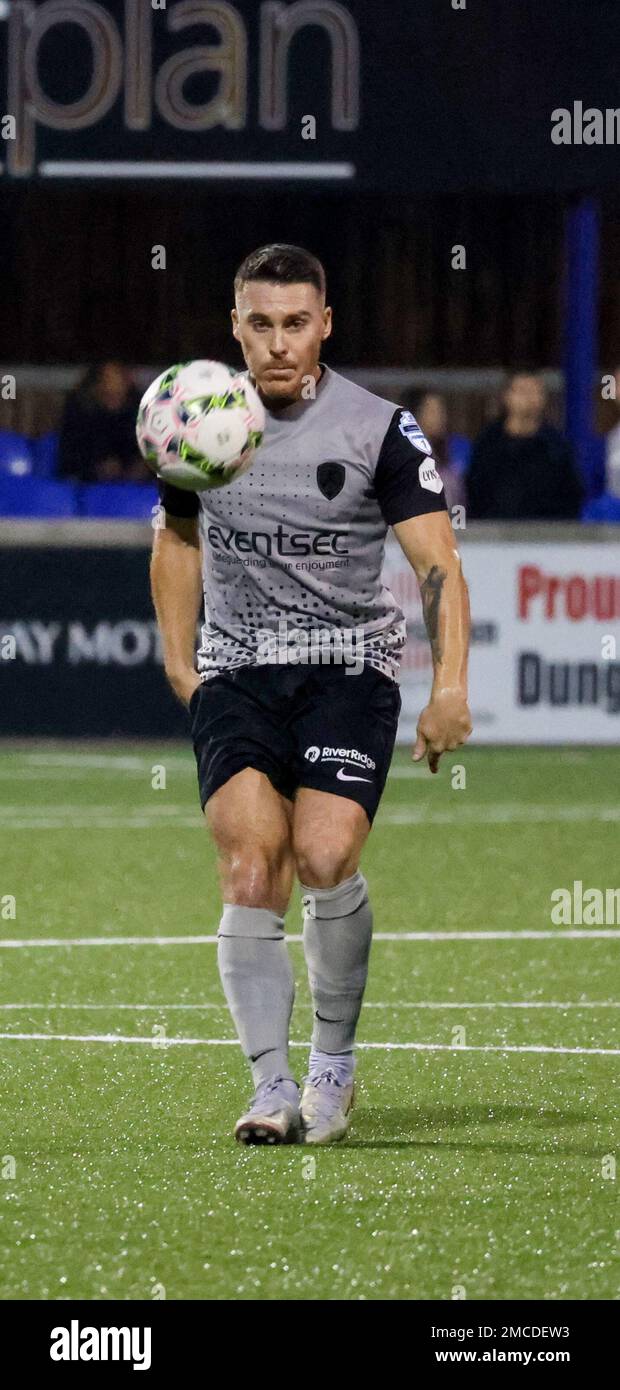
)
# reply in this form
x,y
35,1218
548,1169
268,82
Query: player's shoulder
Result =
x,y
391,434
368,403
373,418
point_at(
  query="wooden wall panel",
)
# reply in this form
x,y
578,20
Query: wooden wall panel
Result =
x,y
77,281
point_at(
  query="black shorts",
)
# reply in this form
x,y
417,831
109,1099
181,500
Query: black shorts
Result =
x,y
303,726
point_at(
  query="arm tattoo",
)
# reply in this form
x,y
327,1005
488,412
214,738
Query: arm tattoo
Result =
x,y
430,590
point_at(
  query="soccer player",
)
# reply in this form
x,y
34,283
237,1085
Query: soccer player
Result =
x,y
292,751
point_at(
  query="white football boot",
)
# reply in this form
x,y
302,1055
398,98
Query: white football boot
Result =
x,y
326,1106
273,1116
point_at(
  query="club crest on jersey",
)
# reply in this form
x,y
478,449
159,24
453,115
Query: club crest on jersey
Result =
x,y
429,477
330,477
409,426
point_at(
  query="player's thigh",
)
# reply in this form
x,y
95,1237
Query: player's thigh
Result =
x,y
248,814
251,826
329,833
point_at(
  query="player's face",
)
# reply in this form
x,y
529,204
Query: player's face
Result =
x,y
281,329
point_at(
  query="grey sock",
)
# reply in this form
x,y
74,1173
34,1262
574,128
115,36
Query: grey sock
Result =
x,y
342,1063
337,936
257,978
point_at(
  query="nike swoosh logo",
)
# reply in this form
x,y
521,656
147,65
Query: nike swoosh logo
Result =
x,y
344,777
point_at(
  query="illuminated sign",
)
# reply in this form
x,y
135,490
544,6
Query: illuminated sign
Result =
x,y
122,71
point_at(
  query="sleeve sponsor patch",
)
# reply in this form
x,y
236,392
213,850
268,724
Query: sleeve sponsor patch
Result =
x,y
429,477
409,426
407,484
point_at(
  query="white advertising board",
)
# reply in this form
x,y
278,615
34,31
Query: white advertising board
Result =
x,y
545,655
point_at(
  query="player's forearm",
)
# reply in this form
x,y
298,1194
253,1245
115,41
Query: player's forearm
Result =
x,y
428,543
445,605
176,586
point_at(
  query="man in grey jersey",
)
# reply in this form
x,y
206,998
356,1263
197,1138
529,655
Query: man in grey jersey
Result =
x,y
295,704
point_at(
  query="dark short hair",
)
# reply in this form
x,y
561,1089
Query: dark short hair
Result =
x,y
281,264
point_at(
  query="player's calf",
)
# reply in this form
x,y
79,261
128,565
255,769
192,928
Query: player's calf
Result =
x,y
337,936
257,978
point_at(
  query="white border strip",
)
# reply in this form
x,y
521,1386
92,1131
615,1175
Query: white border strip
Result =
x,y
162,1043
207,169
571,934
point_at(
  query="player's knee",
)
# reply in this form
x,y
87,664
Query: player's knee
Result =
x,y
323,864
252,876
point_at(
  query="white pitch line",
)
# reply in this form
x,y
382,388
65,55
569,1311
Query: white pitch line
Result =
x,y
49,941
111,817
111,1008
570,934
158,806
147,822
142,823
498,1004
397,1004
162,1043
559,934
123,762
76,774
126,760
497,813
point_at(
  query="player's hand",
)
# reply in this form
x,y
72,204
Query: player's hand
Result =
x,y
184,683
444,724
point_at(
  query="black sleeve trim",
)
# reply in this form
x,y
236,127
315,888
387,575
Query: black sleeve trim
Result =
x,y
176,502
406,479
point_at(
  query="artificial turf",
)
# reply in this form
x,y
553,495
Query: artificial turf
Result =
x,y
483,1174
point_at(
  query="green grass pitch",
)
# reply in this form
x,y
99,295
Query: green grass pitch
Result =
x,y
485,1174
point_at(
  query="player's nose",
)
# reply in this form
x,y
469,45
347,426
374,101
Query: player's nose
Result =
x,y
277,346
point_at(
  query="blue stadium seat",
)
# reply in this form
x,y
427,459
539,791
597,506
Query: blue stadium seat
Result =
x,y
15,455
121,501
36,497
603,508
45,455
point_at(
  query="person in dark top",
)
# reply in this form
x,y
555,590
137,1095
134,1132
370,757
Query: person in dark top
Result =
x,y
98,431
522,469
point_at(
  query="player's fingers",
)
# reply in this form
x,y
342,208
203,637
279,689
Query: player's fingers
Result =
x,y
434,755
420,748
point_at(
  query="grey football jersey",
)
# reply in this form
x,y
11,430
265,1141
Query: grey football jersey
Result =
x,y
297,542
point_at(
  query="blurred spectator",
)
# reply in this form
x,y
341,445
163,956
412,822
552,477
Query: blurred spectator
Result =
x,y
98,429
612,449
449,451
522,469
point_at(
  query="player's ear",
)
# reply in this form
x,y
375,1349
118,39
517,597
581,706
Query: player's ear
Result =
x,y
327,323
235,323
